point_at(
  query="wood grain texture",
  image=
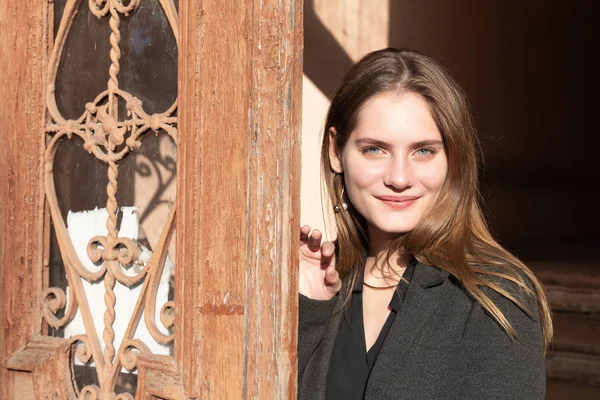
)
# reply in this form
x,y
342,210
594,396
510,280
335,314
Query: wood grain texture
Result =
x,y
51,379
238,201
274,207
47,362
158,376
23,55
38,351
24,385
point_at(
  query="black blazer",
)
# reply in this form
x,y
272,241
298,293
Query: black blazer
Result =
x,y
442,345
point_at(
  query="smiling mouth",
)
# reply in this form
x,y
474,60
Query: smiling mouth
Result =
x,y
398,202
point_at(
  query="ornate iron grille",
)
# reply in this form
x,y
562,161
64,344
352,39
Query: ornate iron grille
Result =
x,y
109,137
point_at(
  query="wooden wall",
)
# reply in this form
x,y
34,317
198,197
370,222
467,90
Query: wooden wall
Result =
x,y
23,55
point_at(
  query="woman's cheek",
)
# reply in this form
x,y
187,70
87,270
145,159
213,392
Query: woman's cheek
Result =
x,y
433,176
364,175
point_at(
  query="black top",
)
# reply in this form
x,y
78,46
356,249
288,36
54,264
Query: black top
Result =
x,y
351,364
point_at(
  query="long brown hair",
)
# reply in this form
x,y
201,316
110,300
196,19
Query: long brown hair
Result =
x,y
454,235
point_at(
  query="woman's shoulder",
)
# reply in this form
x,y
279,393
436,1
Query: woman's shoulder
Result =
x,y
510,284
498,360
513,293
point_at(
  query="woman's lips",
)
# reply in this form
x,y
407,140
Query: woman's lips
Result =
x,y
398,202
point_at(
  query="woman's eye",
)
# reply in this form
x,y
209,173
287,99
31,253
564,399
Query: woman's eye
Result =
x,y
371,150
424,152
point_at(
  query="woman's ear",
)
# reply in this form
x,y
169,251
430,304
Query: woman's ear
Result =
x,y
335,161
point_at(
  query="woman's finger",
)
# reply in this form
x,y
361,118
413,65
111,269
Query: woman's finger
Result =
x,y
314,240
332,277
304,231
327,251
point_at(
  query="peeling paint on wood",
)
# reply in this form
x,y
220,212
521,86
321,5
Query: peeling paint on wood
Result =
x,y
239,213
23,54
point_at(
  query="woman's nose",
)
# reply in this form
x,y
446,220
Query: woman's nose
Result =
x,y
399,174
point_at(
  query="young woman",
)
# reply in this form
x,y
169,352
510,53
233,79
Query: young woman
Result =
x,y
415,300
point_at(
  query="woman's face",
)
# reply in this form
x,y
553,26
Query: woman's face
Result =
x,y
394,162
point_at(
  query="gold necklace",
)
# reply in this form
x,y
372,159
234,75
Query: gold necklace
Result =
x,y
385,287
379,287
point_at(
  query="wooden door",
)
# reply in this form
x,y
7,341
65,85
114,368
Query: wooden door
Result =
x,y
150,209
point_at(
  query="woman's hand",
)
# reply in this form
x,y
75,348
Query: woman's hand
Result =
x,y
319,279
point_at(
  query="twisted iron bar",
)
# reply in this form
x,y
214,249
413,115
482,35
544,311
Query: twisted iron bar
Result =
x,y
109,280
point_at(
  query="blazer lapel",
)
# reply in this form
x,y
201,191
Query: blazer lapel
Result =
x,y
419,305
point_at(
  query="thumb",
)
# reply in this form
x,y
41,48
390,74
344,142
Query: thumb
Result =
x,y
332,278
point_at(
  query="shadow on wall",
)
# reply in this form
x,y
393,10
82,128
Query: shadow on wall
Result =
x,y
325,61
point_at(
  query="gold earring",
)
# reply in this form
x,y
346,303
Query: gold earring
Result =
x,y
343,206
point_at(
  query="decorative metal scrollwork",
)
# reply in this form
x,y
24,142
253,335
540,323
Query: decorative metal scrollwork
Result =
x,y
108,139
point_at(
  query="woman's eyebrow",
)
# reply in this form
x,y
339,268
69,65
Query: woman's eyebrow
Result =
x,y
423,143
379,143
371,142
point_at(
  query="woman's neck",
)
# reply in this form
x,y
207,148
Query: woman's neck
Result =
x,y
379,240
377,262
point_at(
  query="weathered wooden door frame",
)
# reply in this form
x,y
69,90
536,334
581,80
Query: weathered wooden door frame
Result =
x,y
240,77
